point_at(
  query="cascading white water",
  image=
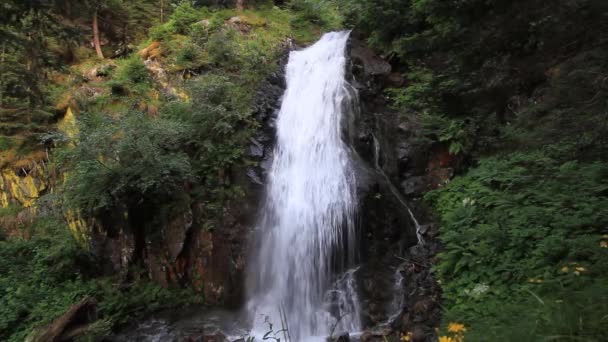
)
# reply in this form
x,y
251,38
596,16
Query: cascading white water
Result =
x,y
307,225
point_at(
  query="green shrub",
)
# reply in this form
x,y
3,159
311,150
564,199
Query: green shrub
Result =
x,y
185,15
318,12
189,56
131,77
199,35
162,32
523,233
132,70
219,18
43,276
223,49
5,143
11,210
124,160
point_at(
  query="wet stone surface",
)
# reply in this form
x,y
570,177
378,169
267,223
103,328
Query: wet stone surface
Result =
x,y
193,324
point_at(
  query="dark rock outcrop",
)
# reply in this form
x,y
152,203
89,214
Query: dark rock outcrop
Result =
x,y
186,244
398,290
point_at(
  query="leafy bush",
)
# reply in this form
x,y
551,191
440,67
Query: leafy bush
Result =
x,y
523,233
319,12
420,99
457,134
185,15
189,56
131,77
311,13
42,277
123,160
223,49
218,129
11,210
132,160
132,70
162,32
5,143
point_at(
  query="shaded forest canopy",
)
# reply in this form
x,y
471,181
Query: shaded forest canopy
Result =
x,y
515,90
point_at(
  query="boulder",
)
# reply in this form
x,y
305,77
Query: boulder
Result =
x,y
151,51
343,337
204,23
372,64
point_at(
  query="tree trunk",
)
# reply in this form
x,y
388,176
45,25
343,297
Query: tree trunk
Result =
x,y
68,9
240,4
162,11
96,41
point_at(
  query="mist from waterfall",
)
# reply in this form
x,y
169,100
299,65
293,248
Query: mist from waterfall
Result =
x,y
306,230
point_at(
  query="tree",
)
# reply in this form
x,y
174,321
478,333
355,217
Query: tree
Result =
x,y
24,32
96,41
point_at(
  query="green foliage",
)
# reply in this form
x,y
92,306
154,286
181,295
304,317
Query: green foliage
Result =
x,y
131,160
457,134
311,13
223,49
184,15
162,32
523,232
124,160
318,12
131,76
419,99
5,143
472,62
11,210
218,128
43,276
132,70
25,33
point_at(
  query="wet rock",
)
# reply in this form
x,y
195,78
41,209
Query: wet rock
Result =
x,y
371,63
253,176
405,152
343,337
376,335
217,336
420,334
256,149
266,164
400,174
175,232
414,186
440,166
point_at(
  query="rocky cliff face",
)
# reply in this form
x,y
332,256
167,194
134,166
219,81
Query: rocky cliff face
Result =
x,y
397,237
21,188
398,240
186,245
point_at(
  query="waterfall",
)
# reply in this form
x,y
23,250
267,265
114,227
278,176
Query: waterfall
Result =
x,y
306,230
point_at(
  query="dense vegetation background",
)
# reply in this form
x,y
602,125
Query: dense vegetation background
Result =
x,y
517,90
115,136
